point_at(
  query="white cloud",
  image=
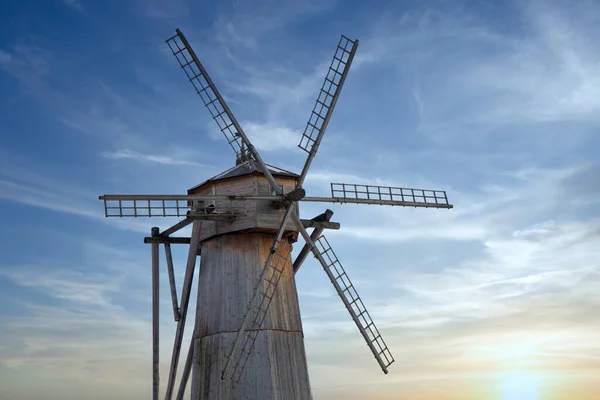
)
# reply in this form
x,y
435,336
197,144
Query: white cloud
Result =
x,y
127,154
269,137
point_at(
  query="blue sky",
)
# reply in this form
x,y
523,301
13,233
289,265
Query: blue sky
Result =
x,y
495,102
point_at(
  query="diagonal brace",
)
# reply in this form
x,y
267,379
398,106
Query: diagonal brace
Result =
x,y
325,217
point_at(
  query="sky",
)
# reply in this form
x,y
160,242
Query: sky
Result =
x,y
496,103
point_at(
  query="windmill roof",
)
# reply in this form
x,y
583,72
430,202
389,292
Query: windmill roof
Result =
x,y
249,167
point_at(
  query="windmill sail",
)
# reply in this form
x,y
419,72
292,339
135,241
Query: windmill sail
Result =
x,y
386,195
326,100
345,289
329,93
206,89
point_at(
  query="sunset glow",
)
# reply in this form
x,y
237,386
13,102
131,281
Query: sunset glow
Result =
x,y
521,385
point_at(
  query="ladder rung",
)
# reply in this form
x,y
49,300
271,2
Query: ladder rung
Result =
x,y
211,102
201,90
332,82
327,93
341,61
319,115
314,126
219,114
179,50
337,72
323,104
347,288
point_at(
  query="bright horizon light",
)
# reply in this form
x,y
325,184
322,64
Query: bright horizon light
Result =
x,y
520,385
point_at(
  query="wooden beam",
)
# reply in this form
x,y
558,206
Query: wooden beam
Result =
x,y
326,216
212,217
171,273
309,223
181,224
187,368
172,240
185,297
155,326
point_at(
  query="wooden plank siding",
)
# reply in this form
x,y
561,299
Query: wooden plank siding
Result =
x,y
276,370
259,216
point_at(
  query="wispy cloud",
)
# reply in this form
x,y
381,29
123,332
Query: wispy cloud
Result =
x,y
499,112
127,154
270,137
74,4
93,306
548,74
44,192
5,57
245,26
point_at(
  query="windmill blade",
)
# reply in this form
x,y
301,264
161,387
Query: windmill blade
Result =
x,y
207,91
147,205
325,104
384,195
263,294
345,289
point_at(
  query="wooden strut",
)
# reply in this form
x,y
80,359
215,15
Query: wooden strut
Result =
x,y
181,224
325,217
187,368
185,297
170,240
171,273
155,309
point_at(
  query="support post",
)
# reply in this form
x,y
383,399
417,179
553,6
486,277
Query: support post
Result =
x,y
185,297
187,369
172,281
325,217
155,309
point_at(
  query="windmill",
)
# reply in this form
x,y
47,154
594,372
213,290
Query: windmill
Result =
x,y
247,340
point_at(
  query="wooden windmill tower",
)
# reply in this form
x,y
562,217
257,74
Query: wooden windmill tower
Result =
x,y
247,340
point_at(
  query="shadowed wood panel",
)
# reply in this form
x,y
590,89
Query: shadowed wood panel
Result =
x,y
276,370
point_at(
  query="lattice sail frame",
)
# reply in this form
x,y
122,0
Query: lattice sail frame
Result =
x,y
171,208
208,92
353,303
351,191
338,69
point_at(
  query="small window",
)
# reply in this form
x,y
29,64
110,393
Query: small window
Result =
x,y
273,191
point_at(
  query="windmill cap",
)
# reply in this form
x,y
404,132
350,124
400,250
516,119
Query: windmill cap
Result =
x,y
249,167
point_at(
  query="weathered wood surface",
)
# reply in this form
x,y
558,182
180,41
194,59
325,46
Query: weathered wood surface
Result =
x,y
276,370
252,214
